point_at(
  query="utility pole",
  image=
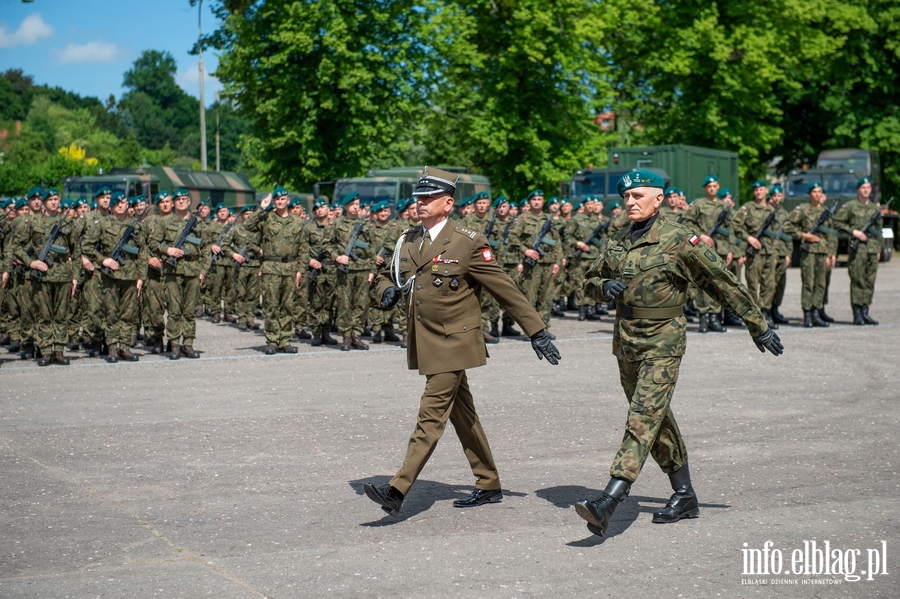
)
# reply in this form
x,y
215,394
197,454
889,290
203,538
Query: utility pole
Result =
x,y
202,107
218,162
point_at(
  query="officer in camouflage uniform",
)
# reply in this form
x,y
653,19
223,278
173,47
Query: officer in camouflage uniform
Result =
x,y
865,248
818,253
245,250
153,301
701,217
55,283
646,269
120,285
284,259
782,247
318,236
182,280
761,261
215,285
353,275
536,282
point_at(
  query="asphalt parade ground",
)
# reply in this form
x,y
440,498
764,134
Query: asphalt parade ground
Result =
x,y
240,475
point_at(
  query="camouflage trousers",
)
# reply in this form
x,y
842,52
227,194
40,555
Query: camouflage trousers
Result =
x,y
862,268
813,277
760,274
352,291
302,315
538,285
153,306
650,427
512,271
321,299
93,321
245,294
51,304
120,302
580,268
216,289
10,307
278,306
182,296
73,320
780,282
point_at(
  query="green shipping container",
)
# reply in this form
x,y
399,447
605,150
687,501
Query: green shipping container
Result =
x,y
686,165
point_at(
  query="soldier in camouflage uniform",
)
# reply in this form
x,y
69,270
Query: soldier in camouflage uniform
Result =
x,y
302,313
701,217
322,273
865,248
215,285
153,301
385,233
5,224
285,258
120,285
93,316
510,258
353,275
54,286
586,240
478,221
245,251
536,282
782,247
646,269
761,264
817,255
182,280
21,323
407,216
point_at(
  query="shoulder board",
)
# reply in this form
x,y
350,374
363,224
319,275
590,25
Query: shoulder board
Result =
x,y
467,232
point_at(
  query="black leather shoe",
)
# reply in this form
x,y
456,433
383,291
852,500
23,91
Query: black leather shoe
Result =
x,y
270,350
599,511
387,496
683,503
824,316
480,497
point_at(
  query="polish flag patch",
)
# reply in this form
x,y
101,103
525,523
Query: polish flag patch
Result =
x,y
487,255
694,240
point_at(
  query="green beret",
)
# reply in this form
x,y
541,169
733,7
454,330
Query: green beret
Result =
x,y
723,192
67,203
576,205
759,183
180,192
295,202
615,204
248,208
776,189
670,190
5,202
51,192
132,200
523,203
465,202
116,198
21,203
319,202
380,205
482,195
553,200
862,181
103,191
81,201
404,203
35,192
499,201
353,195
534,193
814,185
93,205
639,178
162,195
279,192
221,206
566,201
710,179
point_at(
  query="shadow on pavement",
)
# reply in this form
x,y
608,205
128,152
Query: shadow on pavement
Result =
x,y
424,494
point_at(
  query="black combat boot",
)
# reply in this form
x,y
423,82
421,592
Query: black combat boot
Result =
x,y
59,358
46,359
303,334
582,313
570,304
4,339
376,337
865,314
683,503
556,311
14,347
270,349
858,315
113,357
767,314
390,336
824,316
28,351
690,310
327,339
175,352
367,332
704,323
778,317
126,355
807,319
730,320
599,511
317,338
509,330
495,329
599,310
817,318
715,325
590,313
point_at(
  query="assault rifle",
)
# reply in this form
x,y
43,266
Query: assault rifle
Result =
x,y
314,272
868,228
237,265
354,243
539,240
186,236
717,226
820,226
751,251
507,229
594,236
490,229
50,246
214,265
122,247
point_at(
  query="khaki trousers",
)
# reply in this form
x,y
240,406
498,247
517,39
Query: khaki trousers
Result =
x,y
446,396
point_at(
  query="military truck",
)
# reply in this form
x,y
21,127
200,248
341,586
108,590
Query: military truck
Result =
x,y
394,183
602,183
687,165
220,186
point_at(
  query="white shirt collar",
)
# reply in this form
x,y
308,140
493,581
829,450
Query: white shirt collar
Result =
x,y
434,231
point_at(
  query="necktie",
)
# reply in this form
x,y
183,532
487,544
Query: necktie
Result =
x,y
426,243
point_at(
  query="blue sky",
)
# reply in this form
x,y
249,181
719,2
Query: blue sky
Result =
x,y
86,47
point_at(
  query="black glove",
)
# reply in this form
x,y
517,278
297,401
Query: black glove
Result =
x,y
544,348
612,288
769,341
390,297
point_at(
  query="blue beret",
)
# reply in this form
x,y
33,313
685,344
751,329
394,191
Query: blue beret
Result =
x,y
639,178
35,192
759,183
723,192
353,195
380,205
814,185
116,198
103,191
320,201
404,203
710,179
862,181
534,192
180,192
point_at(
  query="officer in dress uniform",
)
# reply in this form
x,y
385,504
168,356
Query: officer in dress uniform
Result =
x,y
440,269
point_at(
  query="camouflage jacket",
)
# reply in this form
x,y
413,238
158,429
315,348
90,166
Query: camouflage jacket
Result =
x,y
284,249
525,232
197,256
657,270
33,232
749,218
619,222
564,229
780,244
365,249
701,217
802,219
676,216
384,238
583,225
855,215
219,234
243,239
100,240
